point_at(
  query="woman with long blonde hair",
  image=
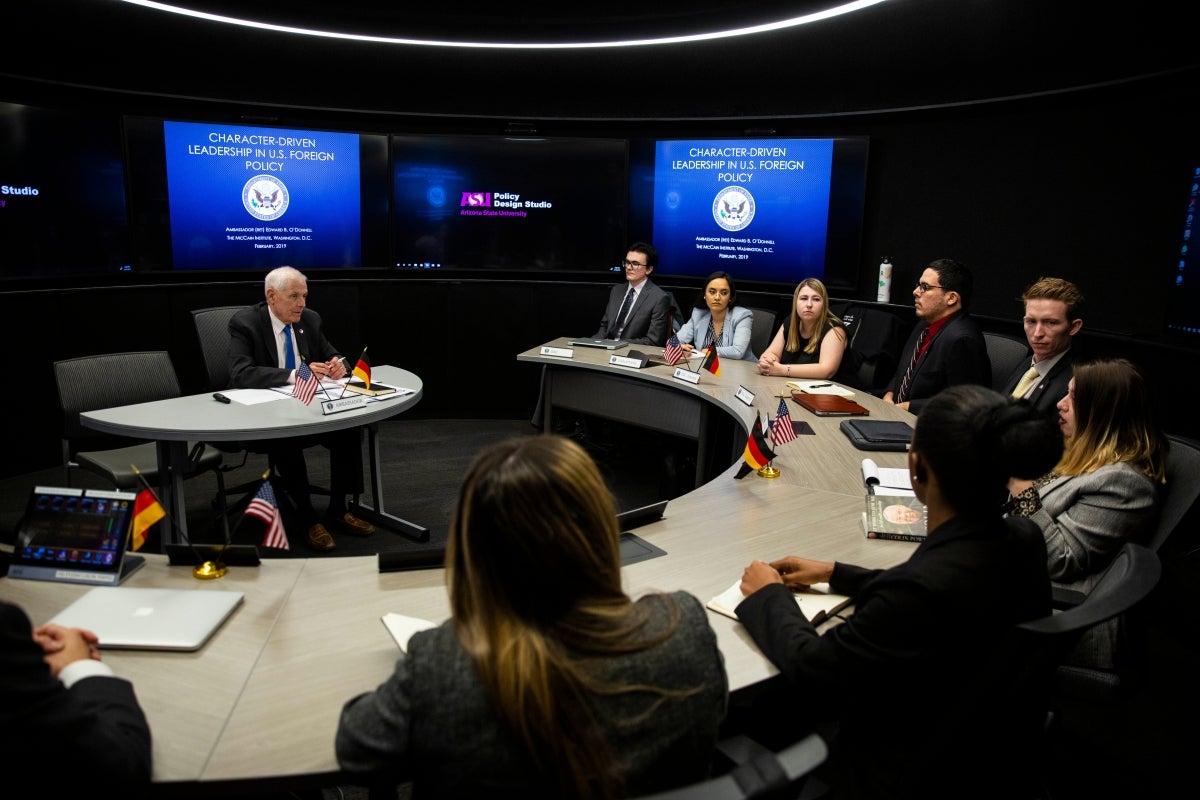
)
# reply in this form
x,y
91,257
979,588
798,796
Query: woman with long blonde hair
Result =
x,y
548,680
812,342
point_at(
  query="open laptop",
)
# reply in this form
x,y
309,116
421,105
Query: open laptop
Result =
x,y
124,617
604,344
75,536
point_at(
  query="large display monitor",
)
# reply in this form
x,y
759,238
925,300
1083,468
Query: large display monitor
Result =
x,y
1183,304
229,196
509,203
62,192
766,210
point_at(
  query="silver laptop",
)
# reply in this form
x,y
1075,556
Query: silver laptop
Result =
x,y
130,618
75,536
604,344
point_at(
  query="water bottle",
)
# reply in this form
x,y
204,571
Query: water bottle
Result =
x,y
884,295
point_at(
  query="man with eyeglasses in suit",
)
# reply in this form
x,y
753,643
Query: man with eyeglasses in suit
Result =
x,y
947,347
647,316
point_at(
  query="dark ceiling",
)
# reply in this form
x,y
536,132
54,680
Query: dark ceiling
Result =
x,y
896,55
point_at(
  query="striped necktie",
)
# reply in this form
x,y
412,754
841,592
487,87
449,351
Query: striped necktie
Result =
x,y
902,395
619,323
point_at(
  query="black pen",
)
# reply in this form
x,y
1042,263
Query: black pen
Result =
x,y
819,385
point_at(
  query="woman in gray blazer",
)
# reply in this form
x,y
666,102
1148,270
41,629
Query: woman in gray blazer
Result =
x,y
548,680
718,320
1105,489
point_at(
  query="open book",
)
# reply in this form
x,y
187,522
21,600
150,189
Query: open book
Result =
x,y
817,603
402,627
820,387
885,480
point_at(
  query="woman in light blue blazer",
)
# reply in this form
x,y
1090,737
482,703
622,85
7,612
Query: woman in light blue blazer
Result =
x,y
717,319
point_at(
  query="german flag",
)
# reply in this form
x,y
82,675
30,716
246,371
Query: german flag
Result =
x,y
758,452
146,511
711,362
362,370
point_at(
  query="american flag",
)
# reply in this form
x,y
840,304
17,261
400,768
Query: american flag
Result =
x,y
264,507
306,384
782,430
673,351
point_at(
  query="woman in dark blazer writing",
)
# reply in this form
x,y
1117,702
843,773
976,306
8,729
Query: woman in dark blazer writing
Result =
x,y
548,680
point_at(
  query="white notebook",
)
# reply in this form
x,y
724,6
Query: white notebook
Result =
x,y
402,627
820,387
150,619
817,602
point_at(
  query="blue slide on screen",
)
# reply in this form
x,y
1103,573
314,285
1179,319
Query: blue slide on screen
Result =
x,y
260,197
758,208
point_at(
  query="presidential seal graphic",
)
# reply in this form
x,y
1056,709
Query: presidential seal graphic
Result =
x,y
733,208
265,197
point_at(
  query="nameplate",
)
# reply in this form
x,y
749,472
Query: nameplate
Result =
x,y
623,361
344,404
558,352
745,395
687,375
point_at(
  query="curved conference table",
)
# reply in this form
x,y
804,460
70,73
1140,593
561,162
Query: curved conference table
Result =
x,y
260,701
174,422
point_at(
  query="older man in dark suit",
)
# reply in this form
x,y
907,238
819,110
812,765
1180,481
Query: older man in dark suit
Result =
x,y
638,310
268,341
1052,318
947,347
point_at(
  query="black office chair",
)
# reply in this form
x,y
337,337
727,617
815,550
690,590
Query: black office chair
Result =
x,y
758,772
762,330
212,331
1176,531
1005,352
1078,700
875,340
91,383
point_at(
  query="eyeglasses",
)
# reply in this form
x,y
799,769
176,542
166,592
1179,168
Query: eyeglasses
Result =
x,y
632,265
923,287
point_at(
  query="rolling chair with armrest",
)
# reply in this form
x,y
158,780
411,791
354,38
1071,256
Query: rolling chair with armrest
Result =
x,y
92,383
758,772
212,330
1080,701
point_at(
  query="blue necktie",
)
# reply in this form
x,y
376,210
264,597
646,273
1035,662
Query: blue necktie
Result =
x,y
289,355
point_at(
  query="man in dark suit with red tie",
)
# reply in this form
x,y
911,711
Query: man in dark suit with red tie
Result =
x,y
947,347
1052,318
267,342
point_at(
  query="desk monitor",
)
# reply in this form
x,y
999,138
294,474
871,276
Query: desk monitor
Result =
x,y
75,536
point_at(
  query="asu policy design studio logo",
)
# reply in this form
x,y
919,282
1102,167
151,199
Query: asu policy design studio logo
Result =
x,y
265,197
733,208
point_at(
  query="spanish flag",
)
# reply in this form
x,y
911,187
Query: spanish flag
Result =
x,y
362,370
758,452
146,511
711,362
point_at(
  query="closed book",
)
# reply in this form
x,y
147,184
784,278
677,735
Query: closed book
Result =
x,y
897,517
829,405
376,388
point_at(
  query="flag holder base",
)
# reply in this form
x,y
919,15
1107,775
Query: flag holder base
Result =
x,y
769,472
209,570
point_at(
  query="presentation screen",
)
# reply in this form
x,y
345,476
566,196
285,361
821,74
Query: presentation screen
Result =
x,y
62,193
767,210
509,203
1183,306
252,197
